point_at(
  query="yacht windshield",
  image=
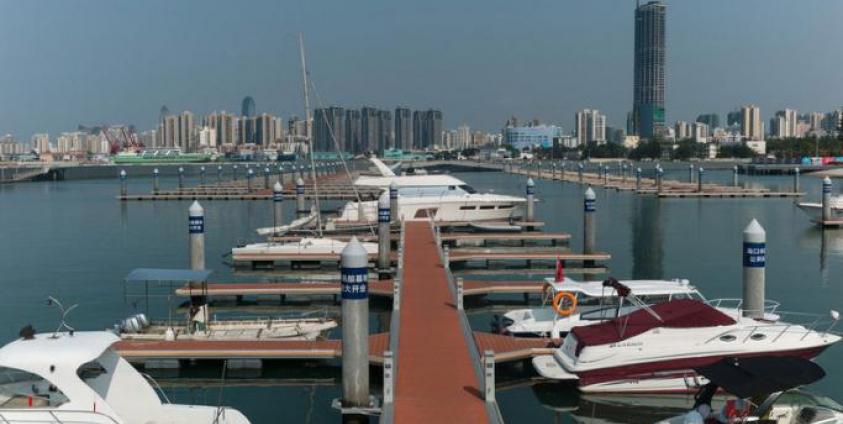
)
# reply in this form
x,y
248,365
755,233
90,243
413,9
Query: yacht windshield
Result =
x,y
20,389
468,189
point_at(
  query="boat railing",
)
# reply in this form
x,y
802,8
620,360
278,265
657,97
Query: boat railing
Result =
x,y
321,313
152,382
58,416
770,306
791,323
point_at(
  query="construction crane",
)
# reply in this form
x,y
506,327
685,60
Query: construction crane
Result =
x,y
114,145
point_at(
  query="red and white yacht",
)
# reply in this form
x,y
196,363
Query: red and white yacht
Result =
x,y
655,348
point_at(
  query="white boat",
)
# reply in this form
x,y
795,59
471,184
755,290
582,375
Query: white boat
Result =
x,y
814,210
284,229
443,197
655,349
305,245
202,327
76,377
597,302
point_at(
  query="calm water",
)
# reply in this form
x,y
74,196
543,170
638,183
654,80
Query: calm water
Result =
x,y
73,240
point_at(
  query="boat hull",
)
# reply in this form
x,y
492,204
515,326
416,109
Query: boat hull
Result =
x,y
815,211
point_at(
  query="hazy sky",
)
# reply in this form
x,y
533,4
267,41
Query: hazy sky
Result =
x,y
66,62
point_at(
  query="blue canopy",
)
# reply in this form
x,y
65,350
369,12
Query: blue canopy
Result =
x,y
176,275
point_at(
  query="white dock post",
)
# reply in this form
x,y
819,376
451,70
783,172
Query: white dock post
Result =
x,y
605,175
700,173
281,174
123,187
202,175
181,178
735,176
277,205
250,175
638,179
234,172
623,172
266,175
301,207
156,183
531,200
445,257
196,229
355,325
580,167
219,173
826,216
384,242
393,202
388,378
460,292
754,263
691,173
489,373
796,180
589,221
659,178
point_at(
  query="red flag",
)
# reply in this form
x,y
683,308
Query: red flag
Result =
x,y
560,272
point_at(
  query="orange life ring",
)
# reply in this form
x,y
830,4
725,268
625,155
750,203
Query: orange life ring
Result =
x,y
564,310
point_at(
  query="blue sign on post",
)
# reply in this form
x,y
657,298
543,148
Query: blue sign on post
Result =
x,y
531,190
355,283
196,224
299,189
278,197
754,255
383,215
589,205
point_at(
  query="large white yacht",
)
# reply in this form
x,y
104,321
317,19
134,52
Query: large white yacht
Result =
x,y
597,302
76,377
655,349
443,197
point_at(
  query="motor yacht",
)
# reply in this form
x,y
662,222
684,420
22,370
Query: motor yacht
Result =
x,y
77,377
654,349
596,302
814,210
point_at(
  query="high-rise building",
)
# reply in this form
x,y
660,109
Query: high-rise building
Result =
x,y
186,132
265,128
247,107
403,128
376,129
710,119
353,134
329,125
682,130
751,126
463,137
590,127
648,89
733,118
615,135
700,132
427,129
784,124
40,142
226,127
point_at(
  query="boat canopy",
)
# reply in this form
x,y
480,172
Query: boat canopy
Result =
x,y
761,376
682,313
638,287
174,275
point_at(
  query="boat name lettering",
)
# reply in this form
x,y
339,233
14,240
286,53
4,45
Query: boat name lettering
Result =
x,y
627,344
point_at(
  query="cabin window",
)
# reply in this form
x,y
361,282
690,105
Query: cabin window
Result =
x,y
487,207
468,189
586,300
758,336
90,370
505,207
728,338
468,208
655,299
21,389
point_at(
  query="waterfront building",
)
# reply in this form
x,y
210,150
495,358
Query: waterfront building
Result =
x,y
225,125
353,132
682,130
247,107
375,129
207,137
784,124
648,113
462,139
590,126
751,126
40,143
710,119
615,135
733,118
427,129
403,128
329,129
529,137
700,132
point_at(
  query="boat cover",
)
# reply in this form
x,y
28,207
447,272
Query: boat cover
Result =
x,y
762,375
682,313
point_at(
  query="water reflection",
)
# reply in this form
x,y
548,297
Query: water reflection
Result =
x,y
647,238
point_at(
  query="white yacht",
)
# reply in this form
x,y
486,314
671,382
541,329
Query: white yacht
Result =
x,y
304,246
655,349
443,197
814,210
76,377
597,302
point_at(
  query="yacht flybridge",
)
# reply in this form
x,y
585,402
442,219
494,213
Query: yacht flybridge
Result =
x,y
442,197
655,348
76,377
594,302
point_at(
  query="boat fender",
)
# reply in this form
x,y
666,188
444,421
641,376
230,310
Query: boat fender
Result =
x,y
169,334
562,309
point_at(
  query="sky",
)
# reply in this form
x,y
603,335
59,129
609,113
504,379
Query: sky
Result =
x,y
91,62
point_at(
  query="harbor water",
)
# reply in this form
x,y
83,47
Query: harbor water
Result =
x,y
75,241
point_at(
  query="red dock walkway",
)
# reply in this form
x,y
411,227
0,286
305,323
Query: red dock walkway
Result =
x,y
436,382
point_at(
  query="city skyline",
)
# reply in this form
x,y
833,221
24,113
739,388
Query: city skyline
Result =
x,y
720,55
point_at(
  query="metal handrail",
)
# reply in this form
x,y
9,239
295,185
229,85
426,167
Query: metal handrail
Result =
x,y
157,386
54,413
786,328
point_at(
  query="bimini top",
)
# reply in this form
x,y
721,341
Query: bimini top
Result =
x,y
638,287
761,376
684,313
175,275
64,351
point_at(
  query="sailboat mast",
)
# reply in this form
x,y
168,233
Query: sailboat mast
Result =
x,y
309,129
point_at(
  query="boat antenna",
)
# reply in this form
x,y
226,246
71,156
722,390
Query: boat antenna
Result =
x,y
309,127
52,301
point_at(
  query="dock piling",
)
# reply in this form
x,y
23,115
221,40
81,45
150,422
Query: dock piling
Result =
x,y
735,176
196,229
826,202
250,175
489,374
388,378
219,173
531,200
460,293
637,179
659,177
123,187
355,325
277,204
754,263
181,178
301,208
580,167
202,175
393,202
700,173
234,172
589,222
796,180
445,255
156,183
267,173
691,173
384,239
